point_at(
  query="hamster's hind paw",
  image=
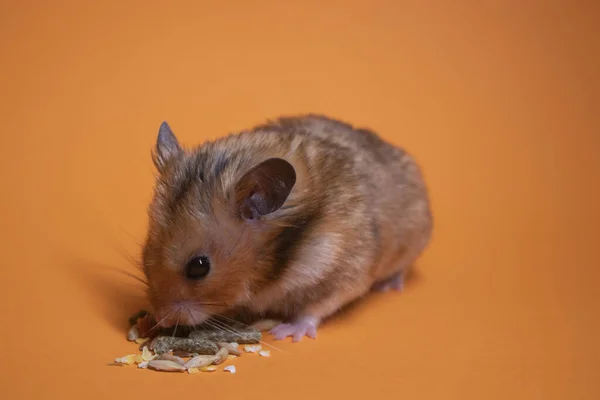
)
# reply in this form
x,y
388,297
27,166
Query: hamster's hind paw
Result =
x,y
395,282
306,326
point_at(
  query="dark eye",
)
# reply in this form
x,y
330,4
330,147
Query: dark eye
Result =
x,y
197,268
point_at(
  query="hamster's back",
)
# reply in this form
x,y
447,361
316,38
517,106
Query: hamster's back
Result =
x,y
388,176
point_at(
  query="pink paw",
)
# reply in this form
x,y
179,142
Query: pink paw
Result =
x,y
306,326
396,282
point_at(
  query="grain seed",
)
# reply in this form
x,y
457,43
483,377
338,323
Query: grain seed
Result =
x,y
147,354
252,348
265,353
222,354
265,325
126,360
165,365
170,357
201,361
231,349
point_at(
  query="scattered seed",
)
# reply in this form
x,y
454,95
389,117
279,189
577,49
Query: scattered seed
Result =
x,y
201,361
265,353
222,354
207,348
126,360
171,357
231,349
147,354
165,365
265,324
252,348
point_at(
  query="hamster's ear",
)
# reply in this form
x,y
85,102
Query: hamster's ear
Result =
x,y
264,188
167,147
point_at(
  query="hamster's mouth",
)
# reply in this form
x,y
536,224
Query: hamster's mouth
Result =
x,y
182,313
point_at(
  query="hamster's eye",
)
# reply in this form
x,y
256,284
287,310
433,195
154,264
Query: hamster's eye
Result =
x,y
197,268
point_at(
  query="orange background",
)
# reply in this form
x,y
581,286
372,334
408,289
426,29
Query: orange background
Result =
x,y
498,100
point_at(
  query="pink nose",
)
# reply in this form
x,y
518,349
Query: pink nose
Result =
x,y
180,313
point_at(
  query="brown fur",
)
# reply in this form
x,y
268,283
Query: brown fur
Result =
x,y
358,213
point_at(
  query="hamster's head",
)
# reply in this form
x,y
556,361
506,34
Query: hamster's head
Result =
x,y
202,254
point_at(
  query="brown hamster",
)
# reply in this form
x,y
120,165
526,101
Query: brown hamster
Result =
x,y
295,218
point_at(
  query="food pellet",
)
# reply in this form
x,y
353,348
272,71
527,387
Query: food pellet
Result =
x,y
163,344
248,336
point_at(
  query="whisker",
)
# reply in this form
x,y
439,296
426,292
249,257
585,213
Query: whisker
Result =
x,y
218,325
191,317
238,334
137,278
129,258
213,326
129,274
201,303
274,347
139,242
231,320
226,327
158,323
176,323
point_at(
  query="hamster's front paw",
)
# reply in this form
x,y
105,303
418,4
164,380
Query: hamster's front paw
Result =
x,y
305,326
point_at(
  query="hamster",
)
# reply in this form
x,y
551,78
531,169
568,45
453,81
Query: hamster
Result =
x,y
294,218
